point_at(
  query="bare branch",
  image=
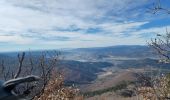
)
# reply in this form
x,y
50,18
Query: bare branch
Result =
x,y
157,7
20,59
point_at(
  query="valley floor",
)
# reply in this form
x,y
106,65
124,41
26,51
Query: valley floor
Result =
x,y
111,78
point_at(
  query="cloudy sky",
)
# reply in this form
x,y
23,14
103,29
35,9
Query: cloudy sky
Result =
x,y
52,24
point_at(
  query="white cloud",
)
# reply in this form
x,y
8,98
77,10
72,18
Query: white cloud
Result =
x,y
26,22
16,39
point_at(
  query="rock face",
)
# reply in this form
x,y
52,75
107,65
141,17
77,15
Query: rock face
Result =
x,y
6,88
4,93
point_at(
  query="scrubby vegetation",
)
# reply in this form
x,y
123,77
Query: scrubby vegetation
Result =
x,y
159,88
56,90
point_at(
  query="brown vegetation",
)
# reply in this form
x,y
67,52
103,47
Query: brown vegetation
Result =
x,y
55,90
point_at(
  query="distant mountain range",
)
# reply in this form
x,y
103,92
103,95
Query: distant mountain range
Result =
x,y
121,50
81,65
130,51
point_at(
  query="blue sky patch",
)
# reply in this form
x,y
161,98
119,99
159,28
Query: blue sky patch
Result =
x,y
54,24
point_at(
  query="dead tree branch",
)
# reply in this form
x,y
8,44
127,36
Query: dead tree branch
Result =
x,y
20,59
158,7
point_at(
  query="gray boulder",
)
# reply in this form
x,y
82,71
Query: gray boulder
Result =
x,y
6,88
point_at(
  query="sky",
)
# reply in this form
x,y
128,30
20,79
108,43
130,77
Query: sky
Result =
x,y
55,24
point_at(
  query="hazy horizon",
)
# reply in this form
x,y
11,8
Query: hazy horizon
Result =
x,y
63,49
